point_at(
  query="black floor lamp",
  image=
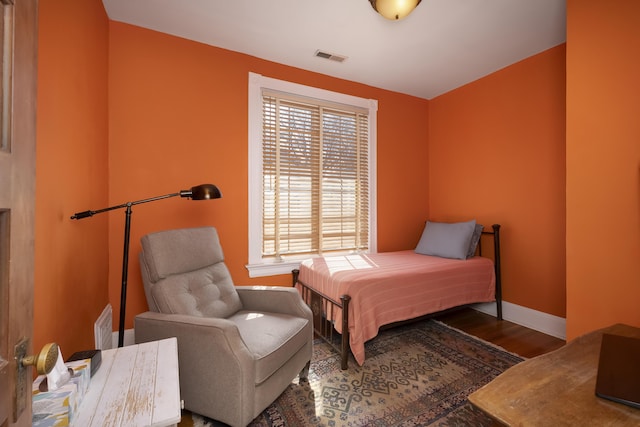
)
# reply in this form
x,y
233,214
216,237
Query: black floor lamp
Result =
x,y
199,192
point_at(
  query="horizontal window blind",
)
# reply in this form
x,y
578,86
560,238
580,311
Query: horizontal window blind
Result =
x,y
315,177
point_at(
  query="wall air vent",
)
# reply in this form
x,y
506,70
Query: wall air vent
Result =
x,y
330,56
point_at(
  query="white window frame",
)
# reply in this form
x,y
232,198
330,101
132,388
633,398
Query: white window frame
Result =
x,y
257,266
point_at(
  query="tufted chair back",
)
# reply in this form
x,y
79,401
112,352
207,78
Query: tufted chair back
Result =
x,y
183,272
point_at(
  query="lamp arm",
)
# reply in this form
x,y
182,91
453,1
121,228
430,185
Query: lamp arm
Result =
x,y
86,214
153,199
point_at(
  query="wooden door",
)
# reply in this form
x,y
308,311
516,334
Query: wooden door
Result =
x,y
17,200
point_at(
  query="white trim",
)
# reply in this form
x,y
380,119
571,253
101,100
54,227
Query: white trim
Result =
x,y
533,319
257,82
255,170
272,269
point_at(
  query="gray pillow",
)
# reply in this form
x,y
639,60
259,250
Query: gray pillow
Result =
x,y
475,238
447,240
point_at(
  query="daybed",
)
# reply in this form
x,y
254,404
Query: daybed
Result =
x,y
353,296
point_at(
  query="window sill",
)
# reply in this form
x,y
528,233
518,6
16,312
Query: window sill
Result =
x,y
272,269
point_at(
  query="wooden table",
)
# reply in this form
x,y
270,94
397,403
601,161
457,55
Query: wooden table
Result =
x,y
557,388
136,385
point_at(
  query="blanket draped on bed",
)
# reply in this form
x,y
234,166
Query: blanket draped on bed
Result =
x,y
394,286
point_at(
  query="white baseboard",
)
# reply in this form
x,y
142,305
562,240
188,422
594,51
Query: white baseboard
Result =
x,y
129,338
533,319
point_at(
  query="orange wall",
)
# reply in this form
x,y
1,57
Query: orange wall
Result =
x,y
497,154
174,115
603,164
71,257
178,118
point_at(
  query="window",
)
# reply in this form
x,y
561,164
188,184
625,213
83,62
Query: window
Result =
x,y
311,174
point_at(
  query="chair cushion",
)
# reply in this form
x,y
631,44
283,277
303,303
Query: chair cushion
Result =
x,y
208,292
273,338
178,251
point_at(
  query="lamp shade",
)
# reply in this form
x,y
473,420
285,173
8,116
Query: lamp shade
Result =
x,y
394,9
202,192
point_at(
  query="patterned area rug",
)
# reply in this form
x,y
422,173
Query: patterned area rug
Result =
x,y
414,375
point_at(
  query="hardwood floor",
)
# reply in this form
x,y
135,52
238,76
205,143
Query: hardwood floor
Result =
x,y
510,336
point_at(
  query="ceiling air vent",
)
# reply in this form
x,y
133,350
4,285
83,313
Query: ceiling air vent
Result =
x,y
330,56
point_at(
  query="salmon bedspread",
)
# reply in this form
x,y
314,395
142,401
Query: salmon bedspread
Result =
x,y
394,286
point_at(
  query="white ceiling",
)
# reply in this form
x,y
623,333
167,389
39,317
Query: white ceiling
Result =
x,y
442,45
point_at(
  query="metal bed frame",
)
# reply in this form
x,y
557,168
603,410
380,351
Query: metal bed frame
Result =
x,y
325,308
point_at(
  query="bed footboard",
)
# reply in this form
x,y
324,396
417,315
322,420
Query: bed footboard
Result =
x,y
326,311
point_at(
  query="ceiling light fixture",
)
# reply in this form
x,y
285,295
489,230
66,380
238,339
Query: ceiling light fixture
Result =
x,y
394,9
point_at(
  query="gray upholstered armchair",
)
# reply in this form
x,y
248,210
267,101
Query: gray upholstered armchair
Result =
x,y
238,347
